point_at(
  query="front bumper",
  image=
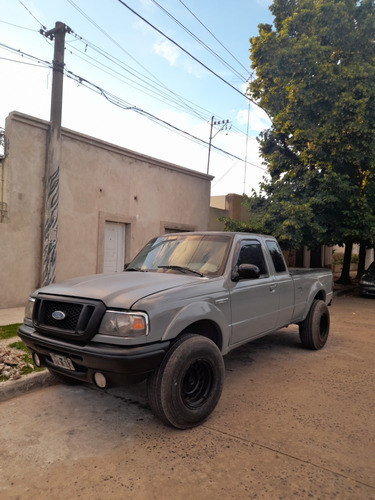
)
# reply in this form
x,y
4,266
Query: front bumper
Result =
x,y
368,290
119,364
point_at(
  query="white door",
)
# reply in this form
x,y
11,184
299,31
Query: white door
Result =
x,y
114,247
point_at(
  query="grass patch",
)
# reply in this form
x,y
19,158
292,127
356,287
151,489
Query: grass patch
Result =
x,y
19,345
9,331
27,358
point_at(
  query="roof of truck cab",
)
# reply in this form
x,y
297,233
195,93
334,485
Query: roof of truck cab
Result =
x,y
224,233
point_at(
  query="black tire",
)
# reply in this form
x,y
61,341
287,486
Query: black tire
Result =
x,y
187,386
314,330
61,378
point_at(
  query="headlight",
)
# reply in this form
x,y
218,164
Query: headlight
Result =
x,y
124,324
29,312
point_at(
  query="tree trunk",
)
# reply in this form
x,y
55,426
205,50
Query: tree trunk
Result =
x,y
345,273
316,256
361,260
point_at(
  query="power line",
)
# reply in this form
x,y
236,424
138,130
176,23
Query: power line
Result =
x,y
176,100
186,52
18,26
224,175
117,101
29,11
199,41
154,78
205,27
150,89
184,103
19,62
24,54
179,102
114,99
147,85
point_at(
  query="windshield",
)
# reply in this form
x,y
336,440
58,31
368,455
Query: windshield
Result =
x,y
196,253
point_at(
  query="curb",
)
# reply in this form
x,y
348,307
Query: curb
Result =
x,y
342,290
27,383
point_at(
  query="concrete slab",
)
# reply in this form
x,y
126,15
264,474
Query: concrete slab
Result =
x,y
11,315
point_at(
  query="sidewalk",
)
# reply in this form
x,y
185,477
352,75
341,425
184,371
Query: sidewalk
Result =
x,y
12,315
341,289
31,382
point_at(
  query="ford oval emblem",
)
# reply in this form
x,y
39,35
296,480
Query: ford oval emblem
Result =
x,y
59,315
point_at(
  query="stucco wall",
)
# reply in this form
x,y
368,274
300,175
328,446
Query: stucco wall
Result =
x,y
98,182
215,214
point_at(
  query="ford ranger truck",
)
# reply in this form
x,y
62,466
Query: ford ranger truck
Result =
x,y
184,302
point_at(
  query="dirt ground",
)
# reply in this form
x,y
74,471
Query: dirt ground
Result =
x,y
291,423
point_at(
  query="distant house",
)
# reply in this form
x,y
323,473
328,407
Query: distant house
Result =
x,y
231,206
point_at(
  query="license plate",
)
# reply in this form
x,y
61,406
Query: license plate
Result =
x,y
62,361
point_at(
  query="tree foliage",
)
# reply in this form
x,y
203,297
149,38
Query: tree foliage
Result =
x,y
315,74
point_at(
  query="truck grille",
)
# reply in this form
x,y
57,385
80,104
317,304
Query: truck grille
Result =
x,y
67,318
72,313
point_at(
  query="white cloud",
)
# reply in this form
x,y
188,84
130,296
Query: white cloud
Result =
x,y
258,119
167,51
243,87
242,116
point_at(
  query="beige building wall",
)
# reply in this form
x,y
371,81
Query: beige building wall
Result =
x,y
215,214
99,183
229,205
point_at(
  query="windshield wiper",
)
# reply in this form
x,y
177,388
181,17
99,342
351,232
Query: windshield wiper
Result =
x,y
182,269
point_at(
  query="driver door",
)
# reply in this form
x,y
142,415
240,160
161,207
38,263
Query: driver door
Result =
x,y
254,301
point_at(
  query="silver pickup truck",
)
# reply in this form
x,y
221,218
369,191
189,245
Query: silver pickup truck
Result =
x,y
185,301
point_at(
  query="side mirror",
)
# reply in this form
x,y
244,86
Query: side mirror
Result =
x,y
246,272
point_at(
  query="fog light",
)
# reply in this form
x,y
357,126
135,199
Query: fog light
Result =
x,y
100,380
36,360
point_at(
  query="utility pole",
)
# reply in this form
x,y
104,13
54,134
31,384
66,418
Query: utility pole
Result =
x,y
51,194
224,125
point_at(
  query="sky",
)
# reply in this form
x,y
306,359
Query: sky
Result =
x,y
147,75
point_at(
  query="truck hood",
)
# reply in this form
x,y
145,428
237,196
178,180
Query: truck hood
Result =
x,y
120,290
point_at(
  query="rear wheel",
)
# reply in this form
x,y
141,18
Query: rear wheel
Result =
x,y
187,386
314,330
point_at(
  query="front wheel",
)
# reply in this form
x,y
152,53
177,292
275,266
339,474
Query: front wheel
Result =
x,y
314,330
187,386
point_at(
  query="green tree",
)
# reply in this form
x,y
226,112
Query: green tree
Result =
x,y
315,73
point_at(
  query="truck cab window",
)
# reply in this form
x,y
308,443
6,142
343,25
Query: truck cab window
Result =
x,y
251,253
277,256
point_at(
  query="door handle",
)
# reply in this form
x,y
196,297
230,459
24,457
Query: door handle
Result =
x,y
273,288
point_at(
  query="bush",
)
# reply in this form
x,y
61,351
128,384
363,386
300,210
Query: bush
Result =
x,y
338,259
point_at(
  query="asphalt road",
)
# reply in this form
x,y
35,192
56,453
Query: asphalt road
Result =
x,y
291,424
